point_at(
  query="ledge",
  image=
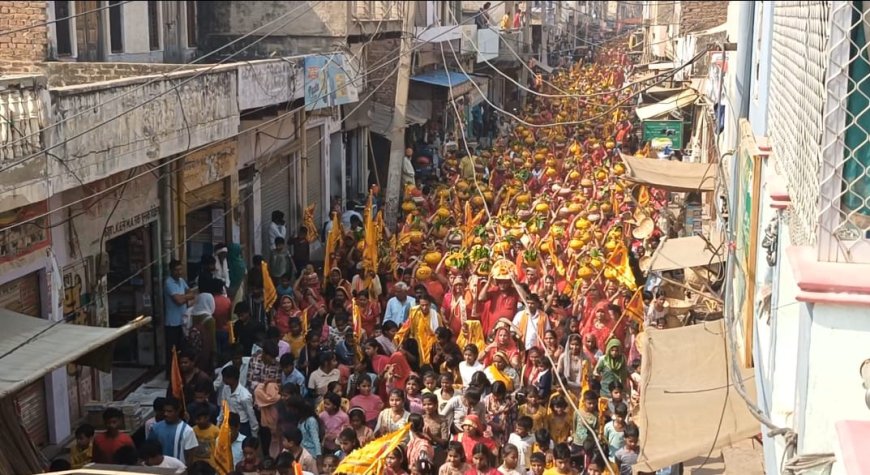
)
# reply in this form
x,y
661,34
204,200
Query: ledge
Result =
x,y
828,282
853,437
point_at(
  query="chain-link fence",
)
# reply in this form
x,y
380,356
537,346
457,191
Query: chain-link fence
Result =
x,y
795,108
844,215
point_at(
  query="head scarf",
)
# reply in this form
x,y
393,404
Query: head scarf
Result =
x,y
617,365
235,264
401,369
204,305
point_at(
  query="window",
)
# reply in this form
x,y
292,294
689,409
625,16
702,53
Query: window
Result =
x,y
153,25
62,28
115,32
191,23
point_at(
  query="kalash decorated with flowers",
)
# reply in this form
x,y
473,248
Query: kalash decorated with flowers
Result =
x,y
493,330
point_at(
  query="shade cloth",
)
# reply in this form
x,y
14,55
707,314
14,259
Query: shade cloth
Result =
x,y
670,175
688,403
32,347
681,253
677,101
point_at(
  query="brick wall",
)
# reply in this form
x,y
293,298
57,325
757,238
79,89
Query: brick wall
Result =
x,y
18,50
71,74
701,15
376,52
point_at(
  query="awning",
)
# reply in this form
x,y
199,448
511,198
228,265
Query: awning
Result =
x,y
677,101
32,347
382,119
670,175
441,78
688,404
685,252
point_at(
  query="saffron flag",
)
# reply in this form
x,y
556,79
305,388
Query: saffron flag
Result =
x,y
370,240
371,458
333,239
176,382
222,457
356,316
311,234
270,294
618,260
634,308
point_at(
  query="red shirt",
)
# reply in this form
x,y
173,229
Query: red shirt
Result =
x,y
105,446
222,306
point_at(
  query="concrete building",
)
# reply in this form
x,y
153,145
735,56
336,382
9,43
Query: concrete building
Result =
x,y
795,121
113,162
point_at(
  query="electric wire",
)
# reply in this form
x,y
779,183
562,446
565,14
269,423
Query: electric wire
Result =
x,y
58,20
158,77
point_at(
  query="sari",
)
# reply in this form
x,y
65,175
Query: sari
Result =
x,y
419,327
473,334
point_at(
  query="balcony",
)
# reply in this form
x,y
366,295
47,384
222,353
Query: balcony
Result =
x,y
23,107
511,47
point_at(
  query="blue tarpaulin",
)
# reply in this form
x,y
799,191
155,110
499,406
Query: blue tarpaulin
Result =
x,y
442,78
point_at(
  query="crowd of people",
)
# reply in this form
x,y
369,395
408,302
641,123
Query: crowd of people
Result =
x,y
499,320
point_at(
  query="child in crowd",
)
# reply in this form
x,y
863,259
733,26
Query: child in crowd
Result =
x,y
364,433
626,457
250,456
511,458
347,443
523,440
562,461
534,409
537,463
333,419
330,463
206,436
107,443
455,464
614,431
559,423
82,451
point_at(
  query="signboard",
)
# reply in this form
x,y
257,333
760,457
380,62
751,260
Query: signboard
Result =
x,y
24,230
105,215
671,129
328,81
77,298
745,214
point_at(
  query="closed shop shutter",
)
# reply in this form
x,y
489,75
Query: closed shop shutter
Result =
x,y
30,403
275,193
314,171
22,295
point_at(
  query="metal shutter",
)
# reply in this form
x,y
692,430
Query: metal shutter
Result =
x,y
22,295
314,171
275,194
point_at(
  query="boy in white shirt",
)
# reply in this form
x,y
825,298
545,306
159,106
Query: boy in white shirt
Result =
x,y
523,440
152,453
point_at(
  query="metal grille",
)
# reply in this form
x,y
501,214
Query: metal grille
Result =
x,y
844,217
797,94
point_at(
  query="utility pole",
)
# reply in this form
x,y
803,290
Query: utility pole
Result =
x,y
397,147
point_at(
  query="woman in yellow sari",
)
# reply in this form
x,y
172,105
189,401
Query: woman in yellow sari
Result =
x,y
500,370
422,322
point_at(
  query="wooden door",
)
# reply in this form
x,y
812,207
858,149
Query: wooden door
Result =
x,y
88,30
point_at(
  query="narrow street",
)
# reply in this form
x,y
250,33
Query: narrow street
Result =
x,y
441,237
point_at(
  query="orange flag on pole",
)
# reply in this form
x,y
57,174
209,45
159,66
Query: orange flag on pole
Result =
x,y
618,260
222,457
634,309
270,294
176,381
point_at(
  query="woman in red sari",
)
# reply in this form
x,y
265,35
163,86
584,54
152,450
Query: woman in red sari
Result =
x,y
287,310
502,341
370,313
600,325
531,369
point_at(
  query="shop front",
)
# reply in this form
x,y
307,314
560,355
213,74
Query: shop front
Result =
x,y
210,185
21,292
109,280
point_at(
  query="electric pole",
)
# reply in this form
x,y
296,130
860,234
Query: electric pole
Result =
x,y
397,147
